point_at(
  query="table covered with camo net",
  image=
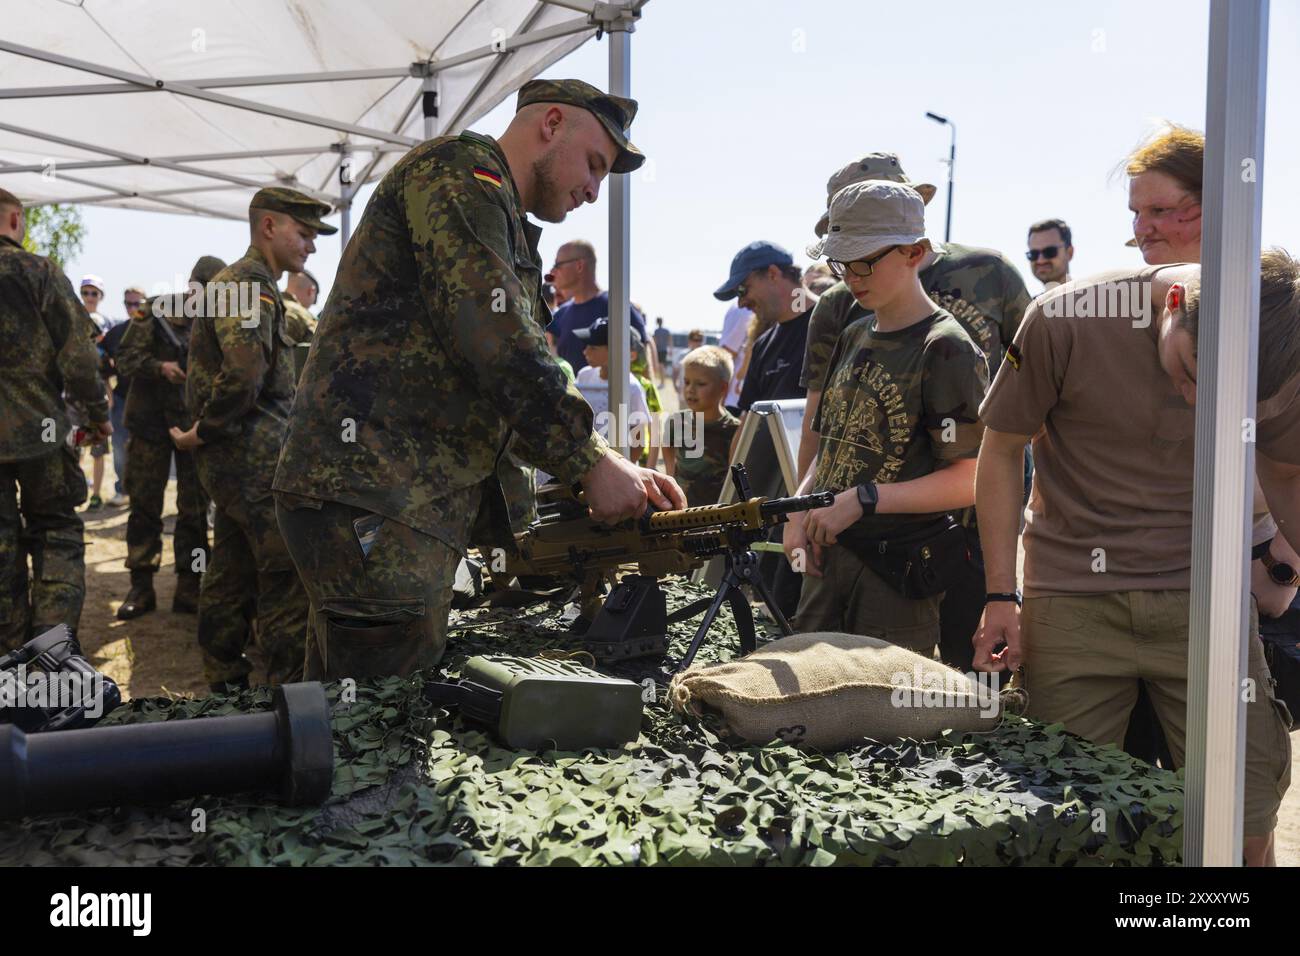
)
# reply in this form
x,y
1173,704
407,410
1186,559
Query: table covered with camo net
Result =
x,y
414,784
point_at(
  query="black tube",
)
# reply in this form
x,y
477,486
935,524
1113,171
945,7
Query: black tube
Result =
x,y
289,749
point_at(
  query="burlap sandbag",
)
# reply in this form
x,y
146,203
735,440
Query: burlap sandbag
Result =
x,y
829,691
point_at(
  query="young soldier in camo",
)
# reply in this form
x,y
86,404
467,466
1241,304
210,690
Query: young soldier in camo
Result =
x,y
154,356
697,440
429,361
984,292
898,424
297,310
47,352
239,389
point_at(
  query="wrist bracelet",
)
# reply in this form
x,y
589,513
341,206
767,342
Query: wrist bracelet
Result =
x,y
1002,596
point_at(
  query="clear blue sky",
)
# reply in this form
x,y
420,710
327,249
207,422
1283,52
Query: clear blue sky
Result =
x,y
747,106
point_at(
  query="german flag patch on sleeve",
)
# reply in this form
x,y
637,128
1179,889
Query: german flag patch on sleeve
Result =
x,y
1014,356
485,175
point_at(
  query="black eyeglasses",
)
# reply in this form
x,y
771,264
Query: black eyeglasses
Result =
x,y
1047,252
859,267
563,262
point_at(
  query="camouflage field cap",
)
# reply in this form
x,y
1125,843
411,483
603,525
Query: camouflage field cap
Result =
x,y
871,166
302,207
614,112
206,269
869,216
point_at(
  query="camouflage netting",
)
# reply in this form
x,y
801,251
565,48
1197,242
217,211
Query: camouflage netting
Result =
x,y
415,785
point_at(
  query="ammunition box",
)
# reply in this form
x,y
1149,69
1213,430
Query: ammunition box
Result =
x,y
547,704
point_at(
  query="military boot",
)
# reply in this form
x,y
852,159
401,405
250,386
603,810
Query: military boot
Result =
x,y
140,599
186,598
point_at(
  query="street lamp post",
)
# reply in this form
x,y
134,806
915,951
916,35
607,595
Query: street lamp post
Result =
x,y
952,160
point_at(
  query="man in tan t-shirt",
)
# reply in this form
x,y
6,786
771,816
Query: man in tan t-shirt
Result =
x,y
1102,377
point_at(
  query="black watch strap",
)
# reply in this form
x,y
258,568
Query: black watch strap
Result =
x,y
1002,596
868,497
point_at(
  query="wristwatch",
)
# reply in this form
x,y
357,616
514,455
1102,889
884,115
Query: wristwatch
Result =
x,y
868,496
1013,596
1282,573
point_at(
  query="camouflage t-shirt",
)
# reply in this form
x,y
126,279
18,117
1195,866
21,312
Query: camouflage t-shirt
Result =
x,y
701,477
978,287
897,406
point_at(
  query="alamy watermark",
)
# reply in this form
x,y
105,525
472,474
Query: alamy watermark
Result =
x,y
57,690
636,429
1127,299
945,688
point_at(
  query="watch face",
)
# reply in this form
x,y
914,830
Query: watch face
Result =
x,y
1282,574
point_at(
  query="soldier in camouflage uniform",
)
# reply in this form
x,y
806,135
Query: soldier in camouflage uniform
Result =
x,y
239,390
47,352
898,422
429,367
298,319
153,355
984,292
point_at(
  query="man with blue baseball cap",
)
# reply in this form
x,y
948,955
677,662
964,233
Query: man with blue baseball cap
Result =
x,y
766,281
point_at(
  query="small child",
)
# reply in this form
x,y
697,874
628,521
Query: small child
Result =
x,y
706,373
596,372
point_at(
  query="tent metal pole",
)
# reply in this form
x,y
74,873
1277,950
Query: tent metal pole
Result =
x,y
1225,456
503,53
198,158
524,37
620,247
210,83
185,89
429,104
346,192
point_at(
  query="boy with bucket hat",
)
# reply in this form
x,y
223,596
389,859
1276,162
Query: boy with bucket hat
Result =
x,y
985,293
899,433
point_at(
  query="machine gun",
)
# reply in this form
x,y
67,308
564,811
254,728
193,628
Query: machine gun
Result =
x,y
632,621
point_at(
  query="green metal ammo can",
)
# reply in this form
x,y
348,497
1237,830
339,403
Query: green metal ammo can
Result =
x,y
537,704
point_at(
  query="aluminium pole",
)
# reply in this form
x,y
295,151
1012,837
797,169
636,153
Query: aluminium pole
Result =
x,y
620,260
1225,452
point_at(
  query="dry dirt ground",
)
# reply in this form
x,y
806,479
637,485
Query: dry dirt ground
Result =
x,y
156,655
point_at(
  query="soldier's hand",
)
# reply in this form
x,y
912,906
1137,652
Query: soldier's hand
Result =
x,y
102,431
617,489
185,441
172,372
662,490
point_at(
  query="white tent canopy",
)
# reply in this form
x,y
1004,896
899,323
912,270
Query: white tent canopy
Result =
x,y
173,108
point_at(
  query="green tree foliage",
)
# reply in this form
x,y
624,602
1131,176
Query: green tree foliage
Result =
x,y
55,231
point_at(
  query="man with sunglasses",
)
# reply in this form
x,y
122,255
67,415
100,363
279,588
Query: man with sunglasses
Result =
x,y
985,293
574,275
1050,252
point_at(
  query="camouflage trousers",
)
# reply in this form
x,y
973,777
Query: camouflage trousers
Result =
x,y
380,591
39,520
250,581
147,469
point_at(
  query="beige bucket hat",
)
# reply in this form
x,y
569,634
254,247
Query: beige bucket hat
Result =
x,y
866,217
883,166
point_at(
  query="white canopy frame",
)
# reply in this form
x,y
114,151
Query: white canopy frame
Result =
x,y
340,185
